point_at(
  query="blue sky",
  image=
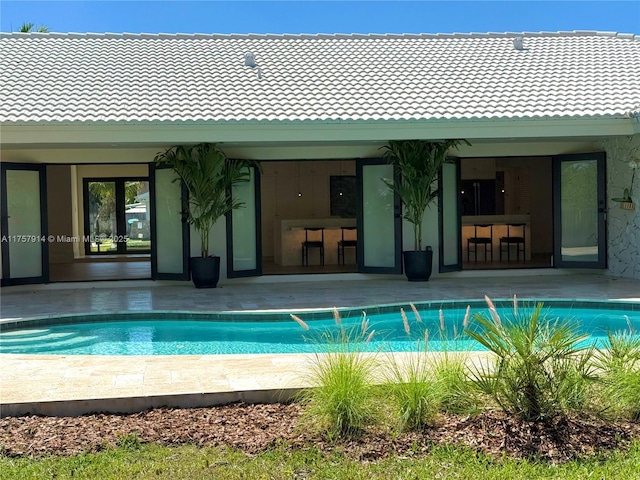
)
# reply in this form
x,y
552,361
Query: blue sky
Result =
x,y
321,16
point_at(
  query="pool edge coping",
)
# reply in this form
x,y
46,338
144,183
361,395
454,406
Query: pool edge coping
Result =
x,y
282,315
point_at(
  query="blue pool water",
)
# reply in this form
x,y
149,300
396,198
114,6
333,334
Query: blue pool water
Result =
x,y
203,337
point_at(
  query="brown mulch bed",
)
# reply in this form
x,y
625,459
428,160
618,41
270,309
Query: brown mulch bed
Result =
x,y
254,428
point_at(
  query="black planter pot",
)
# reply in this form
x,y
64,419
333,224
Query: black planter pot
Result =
x,y
205,272
417,265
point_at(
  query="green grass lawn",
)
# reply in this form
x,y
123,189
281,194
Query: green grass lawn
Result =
x,y
190,462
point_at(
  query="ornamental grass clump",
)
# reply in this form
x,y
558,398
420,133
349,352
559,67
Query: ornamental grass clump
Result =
x,y
449,366
342,402
451,373
423,383
411,385
540,369
619,361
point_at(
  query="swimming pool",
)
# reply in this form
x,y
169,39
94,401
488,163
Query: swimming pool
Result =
x,y
182,333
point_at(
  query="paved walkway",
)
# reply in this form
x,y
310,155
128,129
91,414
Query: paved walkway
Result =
x,y
54,384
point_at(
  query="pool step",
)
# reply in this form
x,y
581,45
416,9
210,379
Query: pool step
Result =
x,y
54,343
41,341
29,338
23,333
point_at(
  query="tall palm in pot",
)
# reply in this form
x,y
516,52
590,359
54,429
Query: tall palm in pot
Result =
x,y
419,163
209,177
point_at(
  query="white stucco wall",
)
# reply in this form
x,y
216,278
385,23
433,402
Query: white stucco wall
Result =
x,y
623,225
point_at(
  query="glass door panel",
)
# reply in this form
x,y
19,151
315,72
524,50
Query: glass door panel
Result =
x,y
579,211
449,217
243,230
137,217
102,226
24,237
169,228
379,221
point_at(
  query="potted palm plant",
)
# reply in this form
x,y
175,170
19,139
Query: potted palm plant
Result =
x,y
419,163
209,177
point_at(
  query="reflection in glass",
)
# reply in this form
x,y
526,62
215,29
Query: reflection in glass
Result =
x,y
378,216
244,226
168,222
137,216
450,227
579,203
23,210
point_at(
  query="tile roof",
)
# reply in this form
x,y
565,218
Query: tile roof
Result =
x,y
53,77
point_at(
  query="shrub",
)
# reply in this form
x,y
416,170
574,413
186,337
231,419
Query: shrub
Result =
x,y
539,371
620,363
621,351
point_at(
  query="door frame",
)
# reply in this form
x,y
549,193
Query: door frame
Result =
x,y
4,225
121,222
397,220
456,266
600,157
254,272
186,232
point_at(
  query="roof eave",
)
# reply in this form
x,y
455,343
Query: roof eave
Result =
x,y
317,131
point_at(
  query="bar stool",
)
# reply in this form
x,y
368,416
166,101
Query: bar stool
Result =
x,y
315,242
349,242
486,242
517,240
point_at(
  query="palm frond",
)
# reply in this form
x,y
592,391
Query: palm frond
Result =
x,y
209,177
419,163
